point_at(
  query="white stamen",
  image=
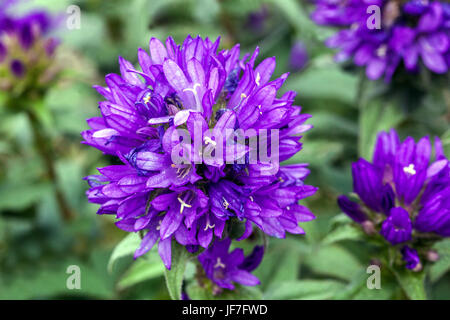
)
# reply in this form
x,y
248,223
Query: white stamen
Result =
x,y
381,51
225,203
147,98
208,225
410,169
219,264
183,204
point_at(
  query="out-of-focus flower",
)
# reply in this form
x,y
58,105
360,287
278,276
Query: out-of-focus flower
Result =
x,y
256,20
224,268
26,50
209,94
298,57
404,194
410,32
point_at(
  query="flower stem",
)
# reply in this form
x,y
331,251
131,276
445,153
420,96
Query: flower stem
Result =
x,y
45,151
359,103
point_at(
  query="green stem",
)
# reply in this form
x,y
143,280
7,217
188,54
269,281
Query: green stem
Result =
x,y
360,104
446,94
45,151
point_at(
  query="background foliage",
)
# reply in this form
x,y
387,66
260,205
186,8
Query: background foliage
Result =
x,y
329,262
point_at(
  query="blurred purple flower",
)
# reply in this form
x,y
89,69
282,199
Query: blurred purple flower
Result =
x,y
411,32
17,68
298,57
256,20
25,37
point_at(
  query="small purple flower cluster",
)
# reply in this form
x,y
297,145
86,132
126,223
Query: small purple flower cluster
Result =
x,y
411,31
200,89
25,45
404,195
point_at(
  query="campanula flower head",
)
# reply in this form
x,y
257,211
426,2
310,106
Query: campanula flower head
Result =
x,y
404,194
26,50
200,134
383,35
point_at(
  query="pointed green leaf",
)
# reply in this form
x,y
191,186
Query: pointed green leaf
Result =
x,y
305,289
126,247
344,232
412,283
141,270
174,276
440,267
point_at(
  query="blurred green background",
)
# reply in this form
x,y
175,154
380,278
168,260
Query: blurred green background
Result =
x,y
37,245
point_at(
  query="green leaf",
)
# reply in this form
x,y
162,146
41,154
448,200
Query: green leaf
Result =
x,y
318,153
17,197
125,248
305,289
294,13
339,85
357,288
49,281
333,261
287,267
376,115
344,232
440,267
412,283
174,276
446,142
141,270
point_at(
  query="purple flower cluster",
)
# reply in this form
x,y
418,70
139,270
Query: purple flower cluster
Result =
x,y
405,196
412,32
24,42
200,89
223,268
